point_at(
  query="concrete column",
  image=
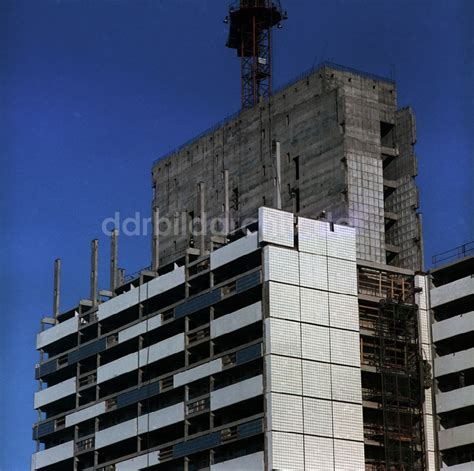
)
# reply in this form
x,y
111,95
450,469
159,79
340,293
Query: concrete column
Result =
x,y
202,216
121,276
94,270
277,174
114,260
155,247
226,203
57,286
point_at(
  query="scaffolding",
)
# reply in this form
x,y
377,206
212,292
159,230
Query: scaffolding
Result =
x,y
392,371
401,386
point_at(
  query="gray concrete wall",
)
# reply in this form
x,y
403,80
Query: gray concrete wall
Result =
x,y
330,121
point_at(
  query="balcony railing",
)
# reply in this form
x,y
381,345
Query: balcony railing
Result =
x,y
462,251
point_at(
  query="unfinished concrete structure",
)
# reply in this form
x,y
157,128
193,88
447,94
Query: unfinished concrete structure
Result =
x,y
332,142
273,340
452,303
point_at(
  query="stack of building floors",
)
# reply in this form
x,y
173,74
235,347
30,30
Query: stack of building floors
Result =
x,y
277,340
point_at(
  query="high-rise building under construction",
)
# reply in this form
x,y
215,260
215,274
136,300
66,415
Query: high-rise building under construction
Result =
x,y
283,322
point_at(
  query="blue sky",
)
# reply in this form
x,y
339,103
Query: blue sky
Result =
x,y
92,91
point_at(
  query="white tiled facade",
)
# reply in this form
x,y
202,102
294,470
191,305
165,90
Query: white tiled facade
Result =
x,y
452,315
312,356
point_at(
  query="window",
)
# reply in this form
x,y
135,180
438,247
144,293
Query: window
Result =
x,y
296,162
387,134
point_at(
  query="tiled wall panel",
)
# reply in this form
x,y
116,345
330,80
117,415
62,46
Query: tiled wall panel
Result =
x,y
317,417
284,301
314,306
348,456
316,379
283,374
345,347
312,236
348,423
276,227
281,265
315,342
286,451
346,384
319,330
318,453
313,271
285,413
283,337
342,276
344,311
341,242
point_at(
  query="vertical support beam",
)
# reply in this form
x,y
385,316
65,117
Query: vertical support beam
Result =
x,y
94,270
121,276
188,218
57,287
226,203
114,260
202,216
277,173
155,242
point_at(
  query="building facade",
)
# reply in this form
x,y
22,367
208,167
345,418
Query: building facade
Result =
x,y
290,332
452,303
260,355
331,144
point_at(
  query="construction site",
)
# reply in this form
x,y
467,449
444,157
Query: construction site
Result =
x,y
286,324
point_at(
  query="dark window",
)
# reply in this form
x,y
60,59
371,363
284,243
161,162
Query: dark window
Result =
x,y
296,162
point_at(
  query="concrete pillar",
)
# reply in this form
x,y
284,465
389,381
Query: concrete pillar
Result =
x,y
226,203
277,174
202,216
155,247
57,286
94,271
114,260
121,276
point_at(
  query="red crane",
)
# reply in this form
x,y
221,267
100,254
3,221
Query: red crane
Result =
x,y
251,23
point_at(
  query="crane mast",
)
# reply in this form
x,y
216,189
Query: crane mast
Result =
x,y
250,27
